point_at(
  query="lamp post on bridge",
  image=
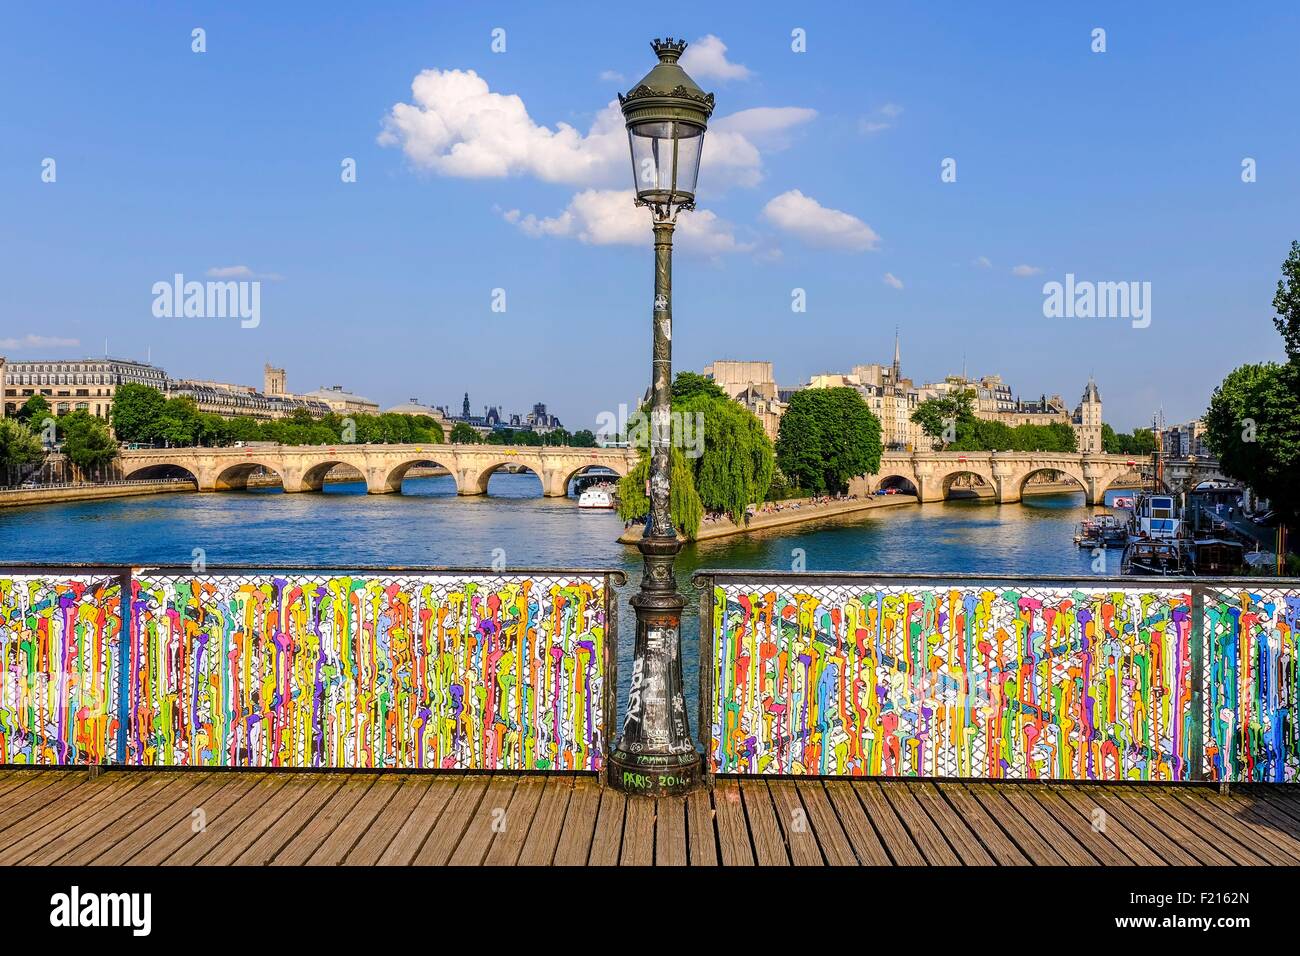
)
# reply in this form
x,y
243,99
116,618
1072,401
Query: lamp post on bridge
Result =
x,y
666,114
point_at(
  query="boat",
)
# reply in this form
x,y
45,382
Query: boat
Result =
x,y
1218,556
1155,516
1102,530
1157,539
601,497
1157,558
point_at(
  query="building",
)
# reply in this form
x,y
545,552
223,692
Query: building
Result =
x,y
1183,441
891,398
74,384
413,407
492,419
273,380
235,401
752,385
1086,420
341,401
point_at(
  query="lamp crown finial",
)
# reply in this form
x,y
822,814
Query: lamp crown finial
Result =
x,y
668,50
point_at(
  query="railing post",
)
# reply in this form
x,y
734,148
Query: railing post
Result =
x,y
1196,745
126,647
704,584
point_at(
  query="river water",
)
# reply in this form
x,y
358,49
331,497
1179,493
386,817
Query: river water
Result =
x,y
429,525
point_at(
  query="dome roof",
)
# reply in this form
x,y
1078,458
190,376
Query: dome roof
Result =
x,y
413,407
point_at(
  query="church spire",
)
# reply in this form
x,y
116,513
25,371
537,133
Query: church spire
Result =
x,y
898,362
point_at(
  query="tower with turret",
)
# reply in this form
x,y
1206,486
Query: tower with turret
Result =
x,y
1086,420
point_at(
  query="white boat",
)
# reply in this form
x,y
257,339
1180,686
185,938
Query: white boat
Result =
x,y
599,497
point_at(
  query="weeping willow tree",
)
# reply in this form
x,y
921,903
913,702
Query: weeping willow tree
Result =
x,y
683,502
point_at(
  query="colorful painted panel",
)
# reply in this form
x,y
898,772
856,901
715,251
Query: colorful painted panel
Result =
x,y
1251,685
60,640
966,681
438,671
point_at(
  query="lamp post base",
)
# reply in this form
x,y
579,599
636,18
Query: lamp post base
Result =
x,y
654,775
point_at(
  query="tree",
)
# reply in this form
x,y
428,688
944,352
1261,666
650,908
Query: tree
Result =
x,y
137,413
86,441
832,438
19,448
1287,304
730,457
690,384
949,420
684,503
34,411
583,438
463,434
1253,428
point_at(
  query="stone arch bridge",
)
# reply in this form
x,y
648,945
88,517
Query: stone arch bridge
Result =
x,y
304,467
932,473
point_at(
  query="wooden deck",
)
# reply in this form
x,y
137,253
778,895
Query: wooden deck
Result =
x,y
214,818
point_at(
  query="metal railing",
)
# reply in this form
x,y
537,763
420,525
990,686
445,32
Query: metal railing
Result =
x,y
302,667
999,677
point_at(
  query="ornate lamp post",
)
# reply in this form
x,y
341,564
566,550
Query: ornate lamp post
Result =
x,y
666,115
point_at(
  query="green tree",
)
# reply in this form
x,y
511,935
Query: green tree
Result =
x,y
179,424
583,438
463,434
86,441
733,464
684,503
1287,304
1253,428
34,411
690,384
831,438
137,413
950,420
19,449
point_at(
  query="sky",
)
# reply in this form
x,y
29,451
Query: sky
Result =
x,y
491,169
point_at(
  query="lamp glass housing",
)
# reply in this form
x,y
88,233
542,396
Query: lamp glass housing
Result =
x,y
665,161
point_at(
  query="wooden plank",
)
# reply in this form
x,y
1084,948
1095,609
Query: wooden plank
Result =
x,y
701,837
963,839
608,837
796,826
302,815
733,833
929,839
1063,839
71,835
862,836
548,822
452,822
428,798
1148,824
36,794
254,819
986,829
579,826
1061,822
335,827
1283,799
404,792
483,823
204,824
1021,832
507,844
69,810
144,811
898,843
117,847
1184,826
638,833
836,848
670,831
1108,829
1268,820
769,845
1221,813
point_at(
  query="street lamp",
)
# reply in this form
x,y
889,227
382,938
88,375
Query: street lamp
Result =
x,y
666,116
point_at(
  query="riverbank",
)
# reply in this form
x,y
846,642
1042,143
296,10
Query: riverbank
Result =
x,y
15,497
805,512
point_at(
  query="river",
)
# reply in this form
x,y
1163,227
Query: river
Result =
x,y
429,525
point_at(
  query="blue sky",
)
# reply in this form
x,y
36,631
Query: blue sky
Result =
x,y
1115,166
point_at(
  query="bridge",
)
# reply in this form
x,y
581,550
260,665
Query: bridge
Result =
x,y
303,468
932,474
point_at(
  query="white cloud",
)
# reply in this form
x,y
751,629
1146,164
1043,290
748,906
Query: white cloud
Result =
x,y
890,111
982,261
457,126
869,126
1024,270
893,281
241,272
38,342
602,217
612,76
818,225
706,58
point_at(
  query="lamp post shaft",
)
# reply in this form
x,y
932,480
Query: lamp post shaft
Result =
x,y
655,755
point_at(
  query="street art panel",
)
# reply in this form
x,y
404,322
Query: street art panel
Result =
x,y
60,641
1251,684
974,680
410,672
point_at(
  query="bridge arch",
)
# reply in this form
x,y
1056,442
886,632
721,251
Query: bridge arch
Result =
x,y
903,483
474,481
1076,478
392,483
313,476
235,477
165,470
